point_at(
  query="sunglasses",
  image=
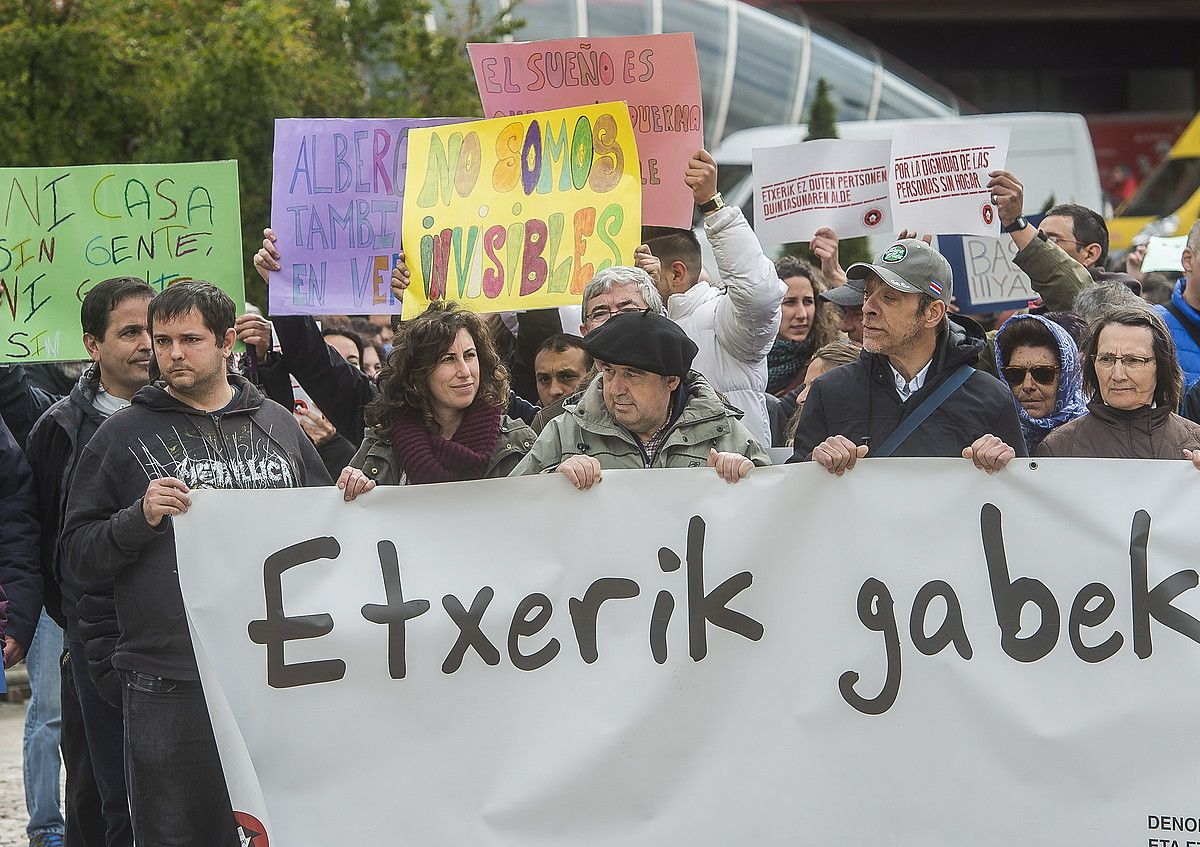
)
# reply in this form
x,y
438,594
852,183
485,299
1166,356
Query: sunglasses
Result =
x,y
1042,374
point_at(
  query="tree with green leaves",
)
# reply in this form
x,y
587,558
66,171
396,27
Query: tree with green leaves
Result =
x,y
822,116
115,81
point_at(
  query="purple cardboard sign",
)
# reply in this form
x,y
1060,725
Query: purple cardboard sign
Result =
x,y
337,193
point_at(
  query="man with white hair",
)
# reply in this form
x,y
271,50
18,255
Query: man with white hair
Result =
x,y
611,292
615,290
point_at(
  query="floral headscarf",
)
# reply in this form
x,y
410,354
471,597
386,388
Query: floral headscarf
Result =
x,y
1070,403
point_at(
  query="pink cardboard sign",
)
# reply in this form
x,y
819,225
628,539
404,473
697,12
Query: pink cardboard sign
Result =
x,y
657,77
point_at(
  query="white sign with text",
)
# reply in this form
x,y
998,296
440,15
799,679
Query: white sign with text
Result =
x,y
939,177
992,273
800,188
916,654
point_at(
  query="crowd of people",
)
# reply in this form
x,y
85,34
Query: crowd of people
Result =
x,y
666,368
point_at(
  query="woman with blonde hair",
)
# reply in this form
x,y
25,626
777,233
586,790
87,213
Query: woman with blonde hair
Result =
x,y
825,359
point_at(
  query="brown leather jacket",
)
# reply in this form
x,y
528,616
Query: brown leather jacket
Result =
x,y
1108,433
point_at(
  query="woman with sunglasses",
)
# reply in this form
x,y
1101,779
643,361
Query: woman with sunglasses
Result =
x,y
1132,373
1040,362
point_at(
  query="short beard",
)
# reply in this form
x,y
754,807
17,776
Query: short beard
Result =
x,y
202,385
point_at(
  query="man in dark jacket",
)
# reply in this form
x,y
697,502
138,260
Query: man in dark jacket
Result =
x,y
198,427
21,580
113,316
911,348
19,575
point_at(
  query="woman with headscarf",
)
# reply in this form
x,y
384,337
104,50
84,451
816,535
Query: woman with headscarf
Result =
x,y
1040,362
807,323
439,415
1131,370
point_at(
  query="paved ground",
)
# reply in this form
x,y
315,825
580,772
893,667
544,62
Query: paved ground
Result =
x,y
12,790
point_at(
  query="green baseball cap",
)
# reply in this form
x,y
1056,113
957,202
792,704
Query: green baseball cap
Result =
x,y
912,266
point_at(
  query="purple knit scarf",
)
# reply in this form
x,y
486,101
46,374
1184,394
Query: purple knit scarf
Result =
x,y
425,457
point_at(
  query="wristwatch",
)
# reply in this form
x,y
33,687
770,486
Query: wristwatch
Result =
x,y
717,202
1016,226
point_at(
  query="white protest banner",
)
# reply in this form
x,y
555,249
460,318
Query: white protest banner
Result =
x,y
915,654
799,188
940,176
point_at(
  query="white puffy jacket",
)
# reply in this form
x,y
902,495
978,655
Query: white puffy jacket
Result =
x,y
735,329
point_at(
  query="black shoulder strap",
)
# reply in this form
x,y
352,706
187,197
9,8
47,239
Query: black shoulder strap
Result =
x,y
909,424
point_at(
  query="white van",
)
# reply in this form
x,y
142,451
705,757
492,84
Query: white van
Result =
x,y
1050,152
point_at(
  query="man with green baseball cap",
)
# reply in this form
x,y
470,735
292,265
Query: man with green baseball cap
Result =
x,y
913,391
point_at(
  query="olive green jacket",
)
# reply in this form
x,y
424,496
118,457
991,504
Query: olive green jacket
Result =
x,y
587,427
1054,275
377,460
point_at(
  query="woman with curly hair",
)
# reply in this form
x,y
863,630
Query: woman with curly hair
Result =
x,y
439,415
807,324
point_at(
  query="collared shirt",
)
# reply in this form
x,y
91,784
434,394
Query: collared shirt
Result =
x,y
907,388
651,444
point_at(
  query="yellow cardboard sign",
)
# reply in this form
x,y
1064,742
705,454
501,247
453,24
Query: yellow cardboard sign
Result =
x,y
520,212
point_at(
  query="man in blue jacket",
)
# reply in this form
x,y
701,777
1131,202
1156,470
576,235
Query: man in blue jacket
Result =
x,y
1182,313
21,580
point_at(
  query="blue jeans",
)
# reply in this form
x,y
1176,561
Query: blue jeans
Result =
x,y
42,719
177,793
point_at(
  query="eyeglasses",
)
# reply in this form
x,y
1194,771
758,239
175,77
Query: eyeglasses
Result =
x,y
602,313
1058,239
1042,374
1107,361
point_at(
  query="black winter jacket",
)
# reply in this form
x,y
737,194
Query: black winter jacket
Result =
x,y
339,389
859,400
20,576
21,401
255,443
85,611
53,450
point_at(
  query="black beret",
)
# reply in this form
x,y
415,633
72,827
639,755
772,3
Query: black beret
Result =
x,y
642,340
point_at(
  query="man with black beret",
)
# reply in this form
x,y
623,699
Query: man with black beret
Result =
x,y
647,409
